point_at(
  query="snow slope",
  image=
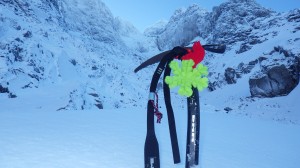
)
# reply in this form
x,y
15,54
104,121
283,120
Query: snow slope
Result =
x,y
115,138
52,43
46,45
63,72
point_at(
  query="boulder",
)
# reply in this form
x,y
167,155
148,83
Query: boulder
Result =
x,y
277,81
3,89
230,75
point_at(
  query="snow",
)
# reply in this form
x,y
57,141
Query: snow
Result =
x,y
53,122
115,138
34,134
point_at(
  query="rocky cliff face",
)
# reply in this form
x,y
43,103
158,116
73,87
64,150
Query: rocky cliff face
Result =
x,y
182,28
55,42
234,21
231,22
259,38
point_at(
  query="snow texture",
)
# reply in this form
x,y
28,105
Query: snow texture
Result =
x,y
115,138
69,96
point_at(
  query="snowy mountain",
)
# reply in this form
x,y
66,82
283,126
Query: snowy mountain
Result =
x,y
67,65
182,27
156,29
74,42
262,57
83,59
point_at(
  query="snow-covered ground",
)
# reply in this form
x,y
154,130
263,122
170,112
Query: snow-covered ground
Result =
x,y
59,69
42,137
115,138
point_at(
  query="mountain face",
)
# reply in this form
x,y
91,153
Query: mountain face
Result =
x,y
267,42
228,23
81,47
70,42
242,25
182,28
156,29
234,21
261,60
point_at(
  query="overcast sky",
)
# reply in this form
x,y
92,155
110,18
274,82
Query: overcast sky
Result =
x,y
144,13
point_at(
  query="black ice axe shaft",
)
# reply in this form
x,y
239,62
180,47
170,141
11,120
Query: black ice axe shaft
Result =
x,y
193,130
216,48
151,148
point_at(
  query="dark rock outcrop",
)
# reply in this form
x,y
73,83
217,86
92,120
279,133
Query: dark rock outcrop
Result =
x,y
278,81
3,89
230,75
6,91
